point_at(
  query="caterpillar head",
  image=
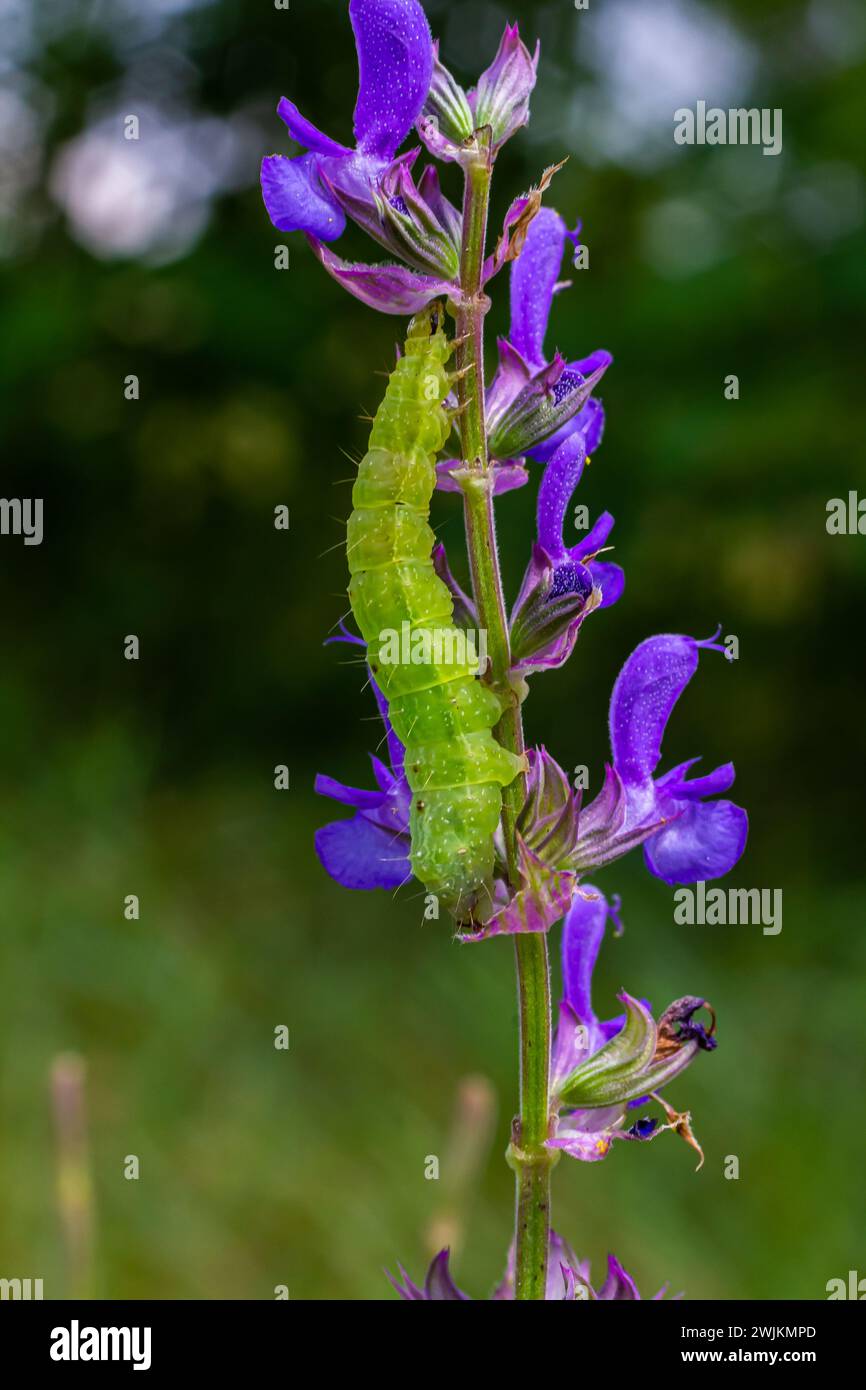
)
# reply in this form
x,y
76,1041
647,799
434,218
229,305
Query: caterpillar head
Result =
x,y
428,324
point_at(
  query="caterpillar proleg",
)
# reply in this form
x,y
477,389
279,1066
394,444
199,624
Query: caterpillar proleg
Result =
x,y
440,710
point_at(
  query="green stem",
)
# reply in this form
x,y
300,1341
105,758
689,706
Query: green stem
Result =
x,y
531,1161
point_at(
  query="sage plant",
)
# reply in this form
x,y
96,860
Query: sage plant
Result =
x,y
536,422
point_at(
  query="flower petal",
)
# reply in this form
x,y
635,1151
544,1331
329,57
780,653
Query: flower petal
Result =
x,y
674,783
561,477
705,841
587,1146
439,1287
465,612
349,796
508,474
595,538
359,854
534,276
392,289
430,189
610,579
395,62
582,935
542,901
511,375
354,184
619,1285
306,133
409,1292
395,747
646,690
296,199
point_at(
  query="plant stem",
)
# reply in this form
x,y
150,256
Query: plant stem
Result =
x,y
531,1161
528,1156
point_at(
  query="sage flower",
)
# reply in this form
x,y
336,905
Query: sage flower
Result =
x,y
370,849
562,583
316,191
535,406
601,1071
535,403
686,836
395,63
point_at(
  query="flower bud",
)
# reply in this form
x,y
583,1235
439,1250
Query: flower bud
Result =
x,y
548,820
446,122
501,99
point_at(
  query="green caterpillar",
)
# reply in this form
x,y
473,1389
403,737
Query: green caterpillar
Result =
x,y
440,711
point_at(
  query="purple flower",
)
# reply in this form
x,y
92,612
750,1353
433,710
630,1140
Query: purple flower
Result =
x,y
392,289
439,1287
534,403
567,1280
686,836
602,1070
500,101
534,406
446,123
562,583
395,61
371,849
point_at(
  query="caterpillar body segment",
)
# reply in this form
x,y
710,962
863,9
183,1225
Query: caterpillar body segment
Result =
x,y
423,664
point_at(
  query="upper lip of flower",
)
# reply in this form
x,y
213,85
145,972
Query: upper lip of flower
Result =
x,y
562,584
395,62
534,403
686,836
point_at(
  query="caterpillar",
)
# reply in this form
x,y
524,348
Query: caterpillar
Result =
x,y
439,709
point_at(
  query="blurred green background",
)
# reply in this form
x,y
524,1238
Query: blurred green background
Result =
x,y
306,1168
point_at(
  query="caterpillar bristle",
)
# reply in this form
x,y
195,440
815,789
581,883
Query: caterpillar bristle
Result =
x,y
340,545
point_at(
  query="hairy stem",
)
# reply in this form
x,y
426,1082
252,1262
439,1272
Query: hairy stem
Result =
x,y
531,1161
528,1156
